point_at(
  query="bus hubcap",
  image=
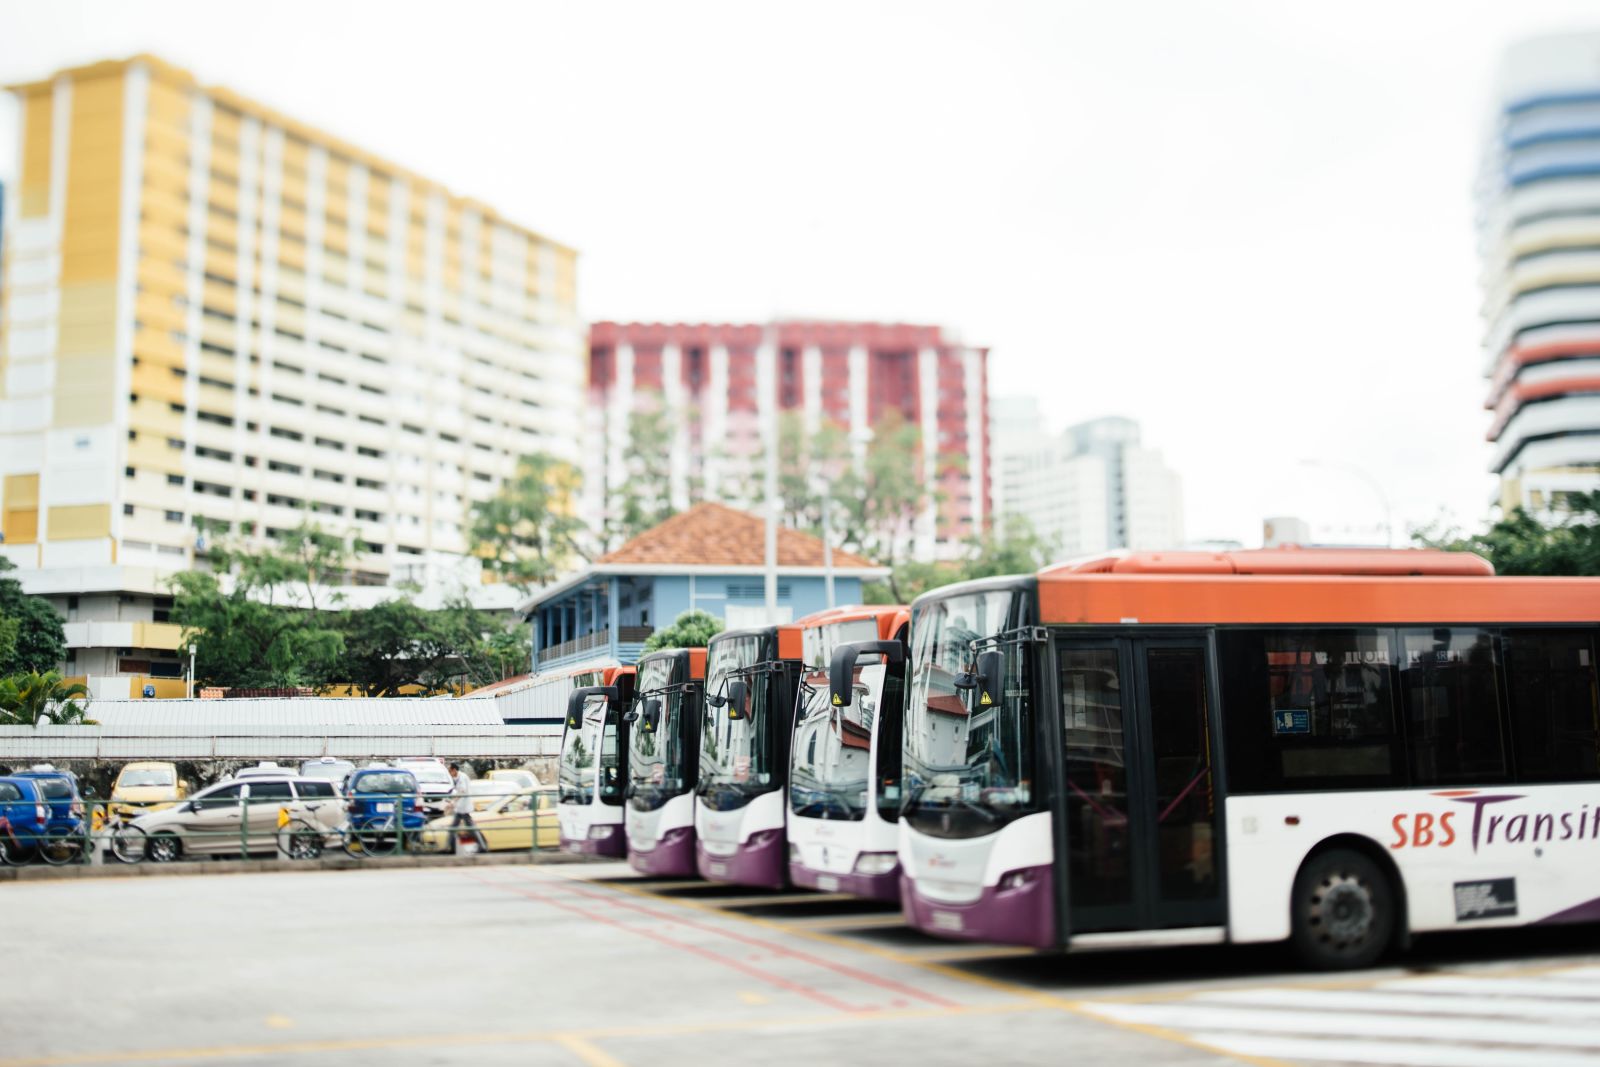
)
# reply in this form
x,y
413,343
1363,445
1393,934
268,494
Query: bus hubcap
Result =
x,y
1342,909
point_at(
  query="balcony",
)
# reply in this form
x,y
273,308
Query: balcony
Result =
x,y
623,644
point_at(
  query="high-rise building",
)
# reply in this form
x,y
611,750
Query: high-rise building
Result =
x,y
1540,240
214,314
724,386
1091,488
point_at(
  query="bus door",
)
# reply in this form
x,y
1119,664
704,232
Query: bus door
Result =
x,y
1136,807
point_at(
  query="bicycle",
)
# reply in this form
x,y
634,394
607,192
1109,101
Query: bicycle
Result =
x,y
301,839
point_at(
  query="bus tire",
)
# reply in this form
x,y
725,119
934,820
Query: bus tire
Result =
x,y
1343,911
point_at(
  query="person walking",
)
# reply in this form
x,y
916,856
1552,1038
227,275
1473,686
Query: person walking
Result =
x,y
461,808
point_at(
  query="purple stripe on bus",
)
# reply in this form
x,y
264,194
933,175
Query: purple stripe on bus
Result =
x,y
760,861
1587,912
612,845
884,886
1021,916
672,857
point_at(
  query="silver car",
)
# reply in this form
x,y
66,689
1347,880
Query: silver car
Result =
x,y
229,818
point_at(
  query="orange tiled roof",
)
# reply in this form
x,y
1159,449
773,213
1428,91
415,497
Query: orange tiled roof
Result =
x,y
717,535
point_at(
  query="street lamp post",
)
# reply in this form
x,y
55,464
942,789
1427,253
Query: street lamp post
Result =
x,y
190,687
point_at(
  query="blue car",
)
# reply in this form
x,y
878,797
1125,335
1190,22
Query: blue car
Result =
x,y
60,790
24,818
375,795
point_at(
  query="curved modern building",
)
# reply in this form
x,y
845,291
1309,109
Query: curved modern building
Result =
x,y
1540,238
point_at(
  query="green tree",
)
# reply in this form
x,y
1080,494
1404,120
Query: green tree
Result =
x,y
255,617
691,629
242,639
28,698
882,497
644,498
396,644
529,531
37,641
1520,543
503,650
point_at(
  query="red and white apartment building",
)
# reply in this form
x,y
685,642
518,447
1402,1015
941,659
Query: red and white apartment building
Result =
x,y
724,385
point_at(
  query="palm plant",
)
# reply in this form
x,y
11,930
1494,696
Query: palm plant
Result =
x,y
27,699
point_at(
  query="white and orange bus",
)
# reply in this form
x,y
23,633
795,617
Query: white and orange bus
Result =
x,y
844,762
593,772
1336,747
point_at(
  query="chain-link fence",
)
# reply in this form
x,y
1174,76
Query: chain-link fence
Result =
x,y
272,819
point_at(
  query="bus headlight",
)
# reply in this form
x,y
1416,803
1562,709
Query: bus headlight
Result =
x,y
876,862
1015,880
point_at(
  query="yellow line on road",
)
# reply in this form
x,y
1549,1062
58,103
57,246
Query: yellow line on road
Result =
x,y
579,1040
587,1051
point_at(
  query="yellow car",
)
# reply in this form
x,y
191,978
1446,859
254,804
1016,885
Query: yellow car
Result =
x,y
505,826
524,780
146,786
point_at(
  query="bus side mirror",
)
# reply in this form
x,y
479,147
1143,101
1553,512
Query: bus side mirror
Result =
x,y
738,700
991,671
579,697
842,670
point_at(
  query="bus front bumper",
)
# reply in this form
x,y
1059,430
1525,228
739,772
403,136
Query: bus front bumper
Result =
x,y
759,861
885,886
611,843
1021,913
673,855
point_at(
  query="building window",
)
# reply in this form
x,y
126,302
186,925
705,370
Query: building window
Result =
x,y
174,516
174,479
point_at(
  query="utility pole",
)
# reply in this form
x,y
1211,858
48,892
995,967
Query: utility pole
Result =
x,y
768,357
190,686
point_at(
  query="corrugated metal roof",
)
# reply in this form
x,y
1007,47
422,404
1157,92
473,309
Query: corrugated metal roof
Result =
x,y
361,742
297,714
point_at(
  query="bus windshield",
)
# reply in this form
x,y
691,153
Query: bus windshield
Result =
x,y
736,753
831,769
591,748
656,764
968,769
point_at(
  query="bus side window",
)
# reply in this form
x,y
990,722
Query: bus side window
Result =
x,y
1309,709
1555,709
1448,675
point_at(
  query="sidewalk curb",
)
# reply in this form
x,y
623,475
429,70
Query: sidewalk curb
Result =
x,y
189,868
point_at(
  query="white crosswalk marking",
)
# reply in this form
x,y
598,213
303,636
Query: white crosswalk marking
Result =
x,y
1448,1020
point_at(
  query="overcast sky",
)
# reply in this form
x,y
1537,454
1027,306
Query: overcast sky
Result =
x,y
1247,225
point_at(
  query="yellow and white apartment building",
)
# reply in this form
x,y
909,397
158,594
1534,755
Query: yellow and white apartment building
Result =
x,y
214,312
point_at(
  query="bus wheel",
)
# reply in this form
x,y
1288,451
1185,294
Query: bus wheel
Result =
x,y
1344,911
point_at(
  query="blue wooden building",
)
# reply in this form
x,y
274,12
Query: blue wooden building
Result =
x,y
710,557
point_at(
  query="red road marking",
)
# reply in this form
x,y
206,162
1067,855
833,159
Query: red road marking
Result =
x,y
839,968
698,950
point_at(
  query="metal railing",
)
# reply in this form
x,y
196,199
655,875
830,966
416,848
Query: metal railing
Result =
x,y
306,828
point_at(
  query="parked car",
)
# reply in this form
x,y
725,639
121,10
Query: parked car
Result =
x,y
374,794
146,786
487,792
236,815
507,824
60,789
26,817
433,782
525,780
328,768
264,770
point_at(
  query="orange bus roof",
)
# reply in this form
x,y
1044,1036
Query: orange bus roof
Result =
x,y
1310,597
1287,560
889,617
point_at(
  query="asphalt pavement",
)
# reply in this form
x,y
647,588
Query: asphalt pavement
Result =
x,y
488,965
